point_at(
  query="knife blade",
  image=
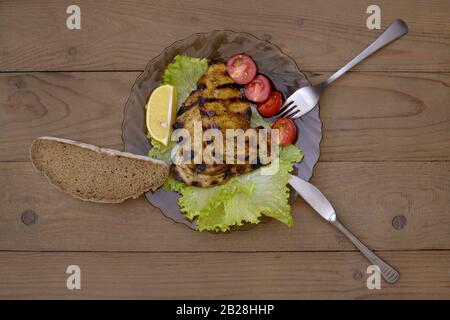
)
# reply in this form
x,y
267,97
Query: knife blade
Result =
x,y
314,197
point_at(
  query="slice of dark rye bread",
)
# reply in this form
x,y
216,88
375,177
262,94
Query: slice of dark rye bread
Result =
x,y
96,174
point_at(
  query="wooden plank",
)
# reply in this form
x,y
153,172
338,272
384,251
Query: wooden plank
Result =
x,y
379,116
300,275
366,116
125,35
390,206
80,106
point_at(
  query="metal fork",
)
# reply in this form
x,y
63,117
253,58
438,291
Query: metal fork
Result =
x,y
305,99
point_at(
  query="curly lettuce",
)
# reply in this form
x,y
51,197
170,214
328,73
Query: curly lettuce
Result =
x,y
257,120
183,73
243,199
160,151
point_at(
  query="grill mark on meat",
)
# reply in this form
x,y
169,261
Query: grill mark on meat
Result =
x,y
256,165
201,101
230,100
227,174
181,110
201,167
177,125
201,86
208,113
231,85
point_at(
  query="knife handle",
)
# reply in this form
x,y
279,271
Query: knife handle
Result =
x,y
389,273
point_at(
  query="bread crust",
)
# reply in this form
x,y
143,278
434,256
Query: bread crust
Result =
x,y
159,166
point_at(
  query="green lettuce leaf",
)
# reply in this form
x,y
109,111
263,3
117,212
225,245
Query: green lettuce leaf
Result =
x,y
258,121
242,199
183,73
160,151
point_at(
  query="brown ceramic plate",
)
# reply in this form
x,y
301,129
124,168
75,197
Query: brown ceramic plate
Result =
x,y
218,45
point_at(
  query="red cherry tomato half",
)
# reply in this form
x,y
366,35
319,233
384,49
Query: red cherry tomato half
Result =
x,y
287,130
258,90
272,105
241,68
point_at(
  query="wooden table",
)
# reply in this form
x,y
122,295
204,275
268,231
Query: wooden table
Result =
x,y
385,154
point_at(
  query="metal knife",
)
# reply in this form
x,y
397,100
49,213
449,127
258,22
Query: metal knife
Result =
x,y
315,198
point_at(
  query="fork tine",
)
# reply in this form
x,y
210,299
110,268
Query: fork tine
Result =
x,y
286,110
296,115
288,102
293,111
284,107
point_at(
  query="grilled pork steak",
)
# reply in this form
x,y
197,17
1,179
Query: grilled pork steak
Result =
x,y
217,103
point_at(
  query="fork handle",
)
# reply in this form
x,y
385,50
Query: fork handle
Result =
x,y
388,272
397,29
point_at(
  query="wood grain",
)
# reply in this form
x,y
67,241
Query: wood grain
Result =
x,y
367,197
366,116
298,275
87,107
385,154
125,35
386,116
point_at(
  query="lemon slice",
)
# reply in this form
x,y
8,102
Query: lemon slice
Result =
x,y
161,111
